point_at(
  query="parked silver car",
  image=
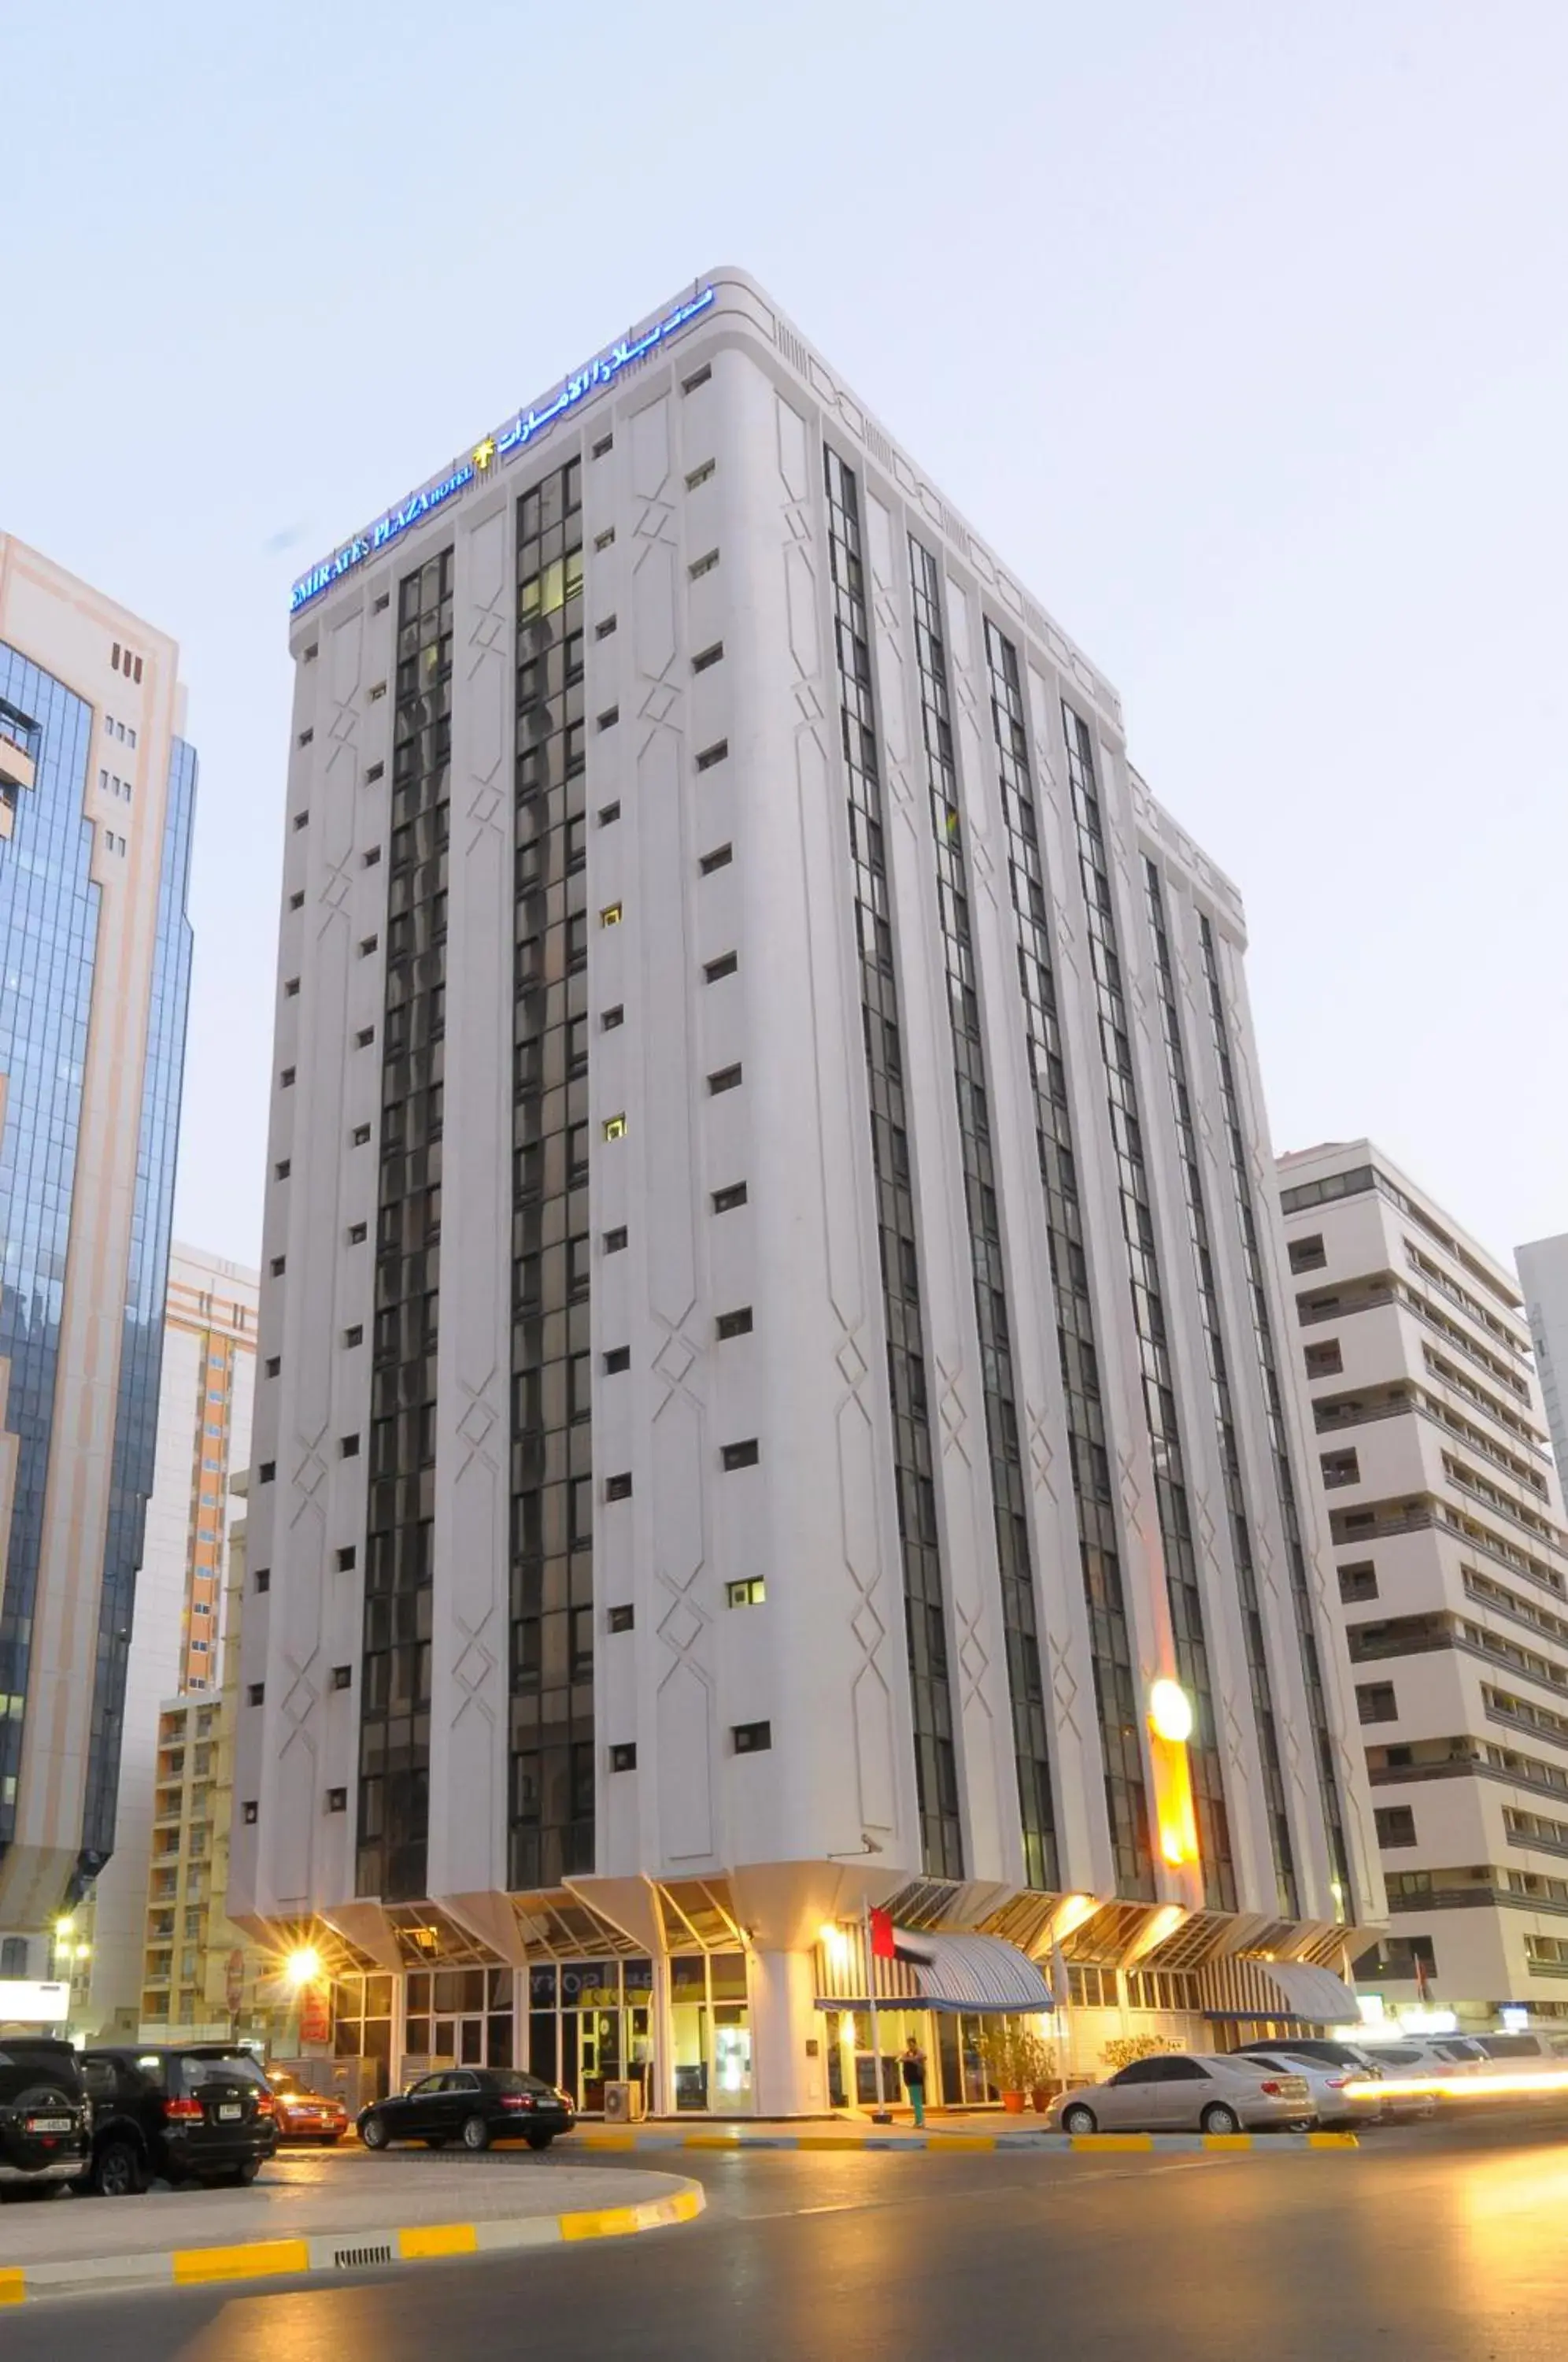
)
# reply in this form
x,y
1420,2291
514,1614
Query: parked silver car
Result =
x,y
1185,2091
1329,2083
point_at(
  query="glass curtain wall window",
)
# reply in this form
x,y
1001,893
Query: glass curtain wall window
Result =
x,y
552,1742
1263,1330
936,1778
1149,1316
1025,1681
1093,1498
394,1726
1220,1392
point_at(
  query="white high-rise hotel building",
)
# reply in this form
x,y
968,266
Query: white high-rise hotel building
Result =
x,y
770,1332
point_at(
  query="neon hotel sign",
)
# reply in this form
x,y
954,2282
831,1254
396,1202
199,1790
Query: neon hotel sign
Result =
x,y
516,437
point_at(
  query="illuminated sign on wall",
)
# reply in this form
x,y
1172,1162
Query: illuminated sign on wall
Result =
x,y
516,436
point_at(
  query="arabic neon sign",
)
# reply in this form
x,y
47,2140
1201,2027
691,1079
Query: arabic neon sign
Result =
x,y
522,430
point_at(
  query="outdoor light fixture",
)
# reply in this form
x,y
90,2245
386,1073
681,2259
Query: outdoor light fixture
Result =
x,y
303,1967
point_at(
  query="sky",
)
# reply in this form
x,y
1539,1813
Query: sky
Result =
x,y
1237,330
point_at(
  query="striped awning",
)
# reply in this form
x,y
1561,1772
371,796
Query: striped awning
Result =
x,y
972,1972
1277,1990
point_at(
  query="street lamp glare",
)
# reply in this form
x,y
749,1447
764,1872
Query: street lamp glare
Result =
x,y
303,1967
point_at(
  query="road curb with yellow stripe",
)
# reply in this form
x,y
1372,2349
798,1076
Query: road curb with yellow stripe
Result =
x,y
941,2144
344,2251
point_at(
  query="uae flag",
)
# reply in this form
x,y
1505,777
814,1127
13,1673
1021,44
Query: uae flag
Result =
x,y
882,1944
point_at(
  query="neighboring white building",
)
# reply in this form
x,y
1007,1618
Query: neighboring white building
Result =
x,y
1543,1275
1412,1358
97,798
770,1316
204,1435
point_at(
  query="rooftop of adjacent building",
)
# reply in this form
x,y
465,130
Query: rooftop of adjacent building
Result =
x,y
58,620
1303,1171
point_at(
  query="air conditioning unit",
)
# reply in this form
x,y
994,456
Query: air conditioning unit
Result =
x,y
622,2103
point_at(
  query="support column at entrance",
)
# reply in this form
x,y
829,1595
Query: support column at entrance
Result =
x,y
788,2058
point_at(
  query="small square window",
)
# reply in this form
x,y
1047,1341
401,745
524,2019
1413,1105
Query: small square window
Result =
x,y
703,565
603,540
349,1447
623,1758
347,1558
741,1455
750,1592
618,1488
608,812
698,377
706,658
370,943
291,990
752,1737
296,901
734,1324
611,915
377,692
700,475
301,819
277,1266
720,859
263,1579
342,1677
248,1813
1308,1255
725,1201
359,1136
621,1619
286,1079
615,1241
379,604
267,1473
605,443
713,754
611,1018
281,1170
614,1127
356,1335
602,630
715,970
357,1233
376,771
257,1693
305,736
1325,1361
364,1037
617,1359
608,719
370,858
1358,1582
726,1078
273,1366
337,1800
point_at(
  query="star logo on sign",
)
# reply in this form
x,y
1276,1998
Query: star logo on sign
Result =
x,y
484,453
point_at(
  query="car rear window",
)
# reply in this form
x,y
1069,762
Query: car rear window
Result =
x,y
1511,2046
26,2069
509,2078
231,2066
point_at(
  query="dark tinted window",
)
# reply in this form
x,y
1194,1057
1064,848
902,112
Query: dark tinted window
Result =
x,y
1142,2070
1181,2070
226,2067
509,2080
1511,2046
99,2078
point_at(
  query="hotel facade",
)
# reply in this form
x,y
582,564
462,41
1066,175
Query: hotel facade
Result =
x,y
770,1345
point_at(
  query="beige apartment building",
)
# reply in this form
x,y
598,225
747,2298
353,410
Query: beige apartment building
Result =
x,y
1412,1352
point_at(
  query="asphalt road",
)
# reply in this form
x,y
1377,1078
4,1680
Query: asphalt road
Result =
x,y
1444,2246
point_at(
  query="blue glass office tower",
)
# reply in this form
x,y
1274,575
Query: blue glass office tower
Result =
x,y
98,792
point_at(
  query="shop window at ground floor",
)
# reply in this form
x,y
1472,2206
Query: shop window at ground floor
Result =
x,y
362,2024
461,2015
590,2022
709,2024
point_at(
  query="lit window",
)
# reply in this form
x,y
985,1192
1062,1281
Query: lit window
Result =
x,y
749,1592
611,915
614,1127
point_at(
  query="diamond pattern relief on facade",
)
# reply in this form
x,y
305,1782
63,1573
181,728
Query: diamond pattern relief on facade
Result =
x,y
473,1668
851,1362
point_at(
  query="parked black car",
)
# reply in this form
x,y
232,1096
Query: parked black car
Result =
x,y
46,2124
471,2104
199,2113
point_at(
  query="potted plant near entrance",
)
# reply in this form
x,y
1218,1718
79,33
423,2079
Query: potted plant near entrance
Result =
x,y
1015,2059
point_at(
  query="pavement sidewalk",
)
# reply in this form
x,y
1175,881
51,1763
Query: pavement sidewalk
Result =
x,y
70,2244
981,2133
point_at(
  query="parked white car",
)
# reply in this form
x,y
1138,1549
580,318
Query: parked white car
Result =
x,y
1329,2083
1188,2092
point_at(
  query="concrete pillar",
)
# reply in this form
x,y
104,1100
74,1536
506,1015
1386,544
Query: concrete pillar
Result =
x,y
789,2060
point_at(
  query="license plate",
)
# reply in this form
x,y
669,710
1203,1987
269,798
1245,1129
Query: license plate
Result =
x,y
230,2113
50,2125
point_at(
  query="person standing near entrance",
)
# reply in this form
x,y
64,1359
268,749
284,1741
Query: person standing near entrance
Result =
x,y
912,2062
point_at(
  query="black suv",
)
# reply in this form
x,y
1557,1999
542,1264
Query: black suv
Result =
x,y
202,2113
45,2122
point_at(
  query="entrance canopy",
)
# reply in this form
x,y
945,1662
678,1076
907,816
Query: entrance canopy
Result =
x,y
968,1973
